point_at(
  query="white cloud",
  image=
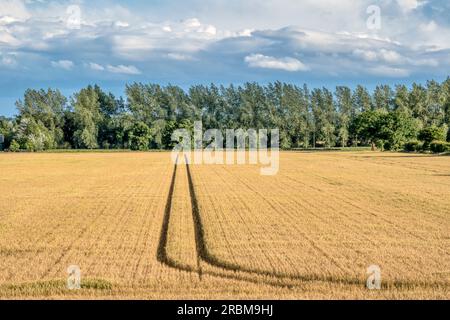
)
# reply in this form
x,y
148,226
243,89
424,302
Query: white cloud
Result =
x,y
184,38
96,67
424,62
192,23
267,62
336,40
179,56
390,56
9,40
367,55
5,20
383,55
132,43
390,72
122,24
428,27
245,33
63,64
8,60
408,5
122,69
13,10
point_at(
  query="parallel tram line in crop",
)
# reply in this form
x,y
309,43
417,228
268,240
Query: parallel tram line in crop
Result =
x,y
226,264
148,228
215,268
223,269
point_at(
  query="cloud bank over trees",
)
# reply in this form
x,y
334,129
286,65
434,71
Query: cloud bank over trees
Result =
x,y
71,43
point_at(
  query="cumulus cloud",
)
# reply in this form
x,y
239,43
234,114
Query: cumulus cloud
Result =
x,y
179,56
408,5
267,62
119,69
12,11
122,24
7,39
131,70
121,39
8,60
96,66
63,64
185,37
430,62
384,55
391,72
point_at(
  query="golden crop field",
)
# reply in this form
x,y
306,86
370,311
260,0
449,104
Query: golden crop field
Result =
x,y
140,227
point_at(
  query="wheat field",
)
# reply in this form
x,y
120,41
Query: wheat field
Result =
x,y
140,227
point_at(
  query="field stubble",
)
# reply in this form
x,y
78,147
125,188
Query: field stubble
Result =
x,y
139,227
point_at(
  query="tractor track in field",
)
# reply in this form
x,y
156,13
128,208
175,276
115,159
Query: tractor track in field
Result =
x,y
162,255
202,253
231,271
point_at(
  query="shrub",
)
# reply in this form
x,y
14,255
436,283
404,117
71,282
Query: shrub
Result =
x,y
430,134
413,145
140,137
439,146
66,146
14,146
381,144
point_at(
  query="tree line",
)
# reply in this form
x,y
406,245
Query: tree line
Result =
x,y
387,118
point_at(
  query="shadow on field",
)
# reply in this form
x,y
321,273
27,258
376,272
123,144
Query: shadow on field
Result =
x,y
240,273
162,255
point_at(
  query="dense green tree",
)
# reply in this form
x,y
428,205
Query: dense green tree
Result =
x,y
418,103
14,146
294,121
140,137
387,130
383,98
367,125
362,100
435,104
87,117
6,131
346,113
446,104
324,117
151,112
33,135
171,126
432,133
110,108
142,102
43,111
401,100
123,124
398,128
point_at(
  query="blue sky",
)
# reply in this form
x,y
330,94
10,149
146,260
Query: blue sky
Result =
x,y
69,44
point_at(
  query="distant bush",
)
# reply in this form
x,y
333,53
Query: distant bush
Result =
x,y
430,134
14,146
439,146
66,146
413,145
